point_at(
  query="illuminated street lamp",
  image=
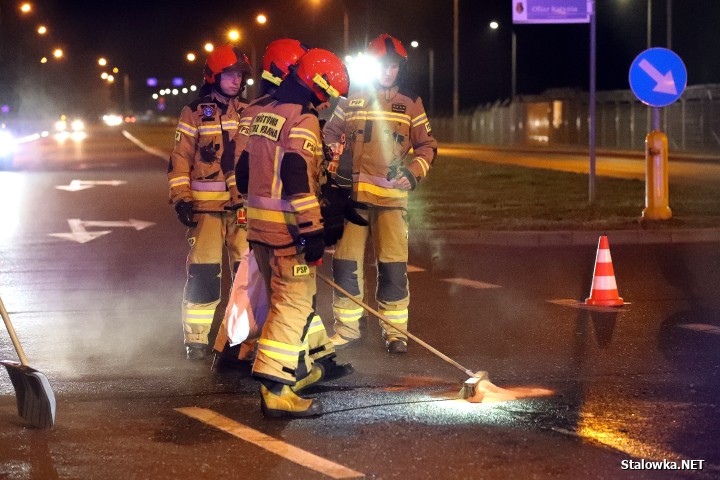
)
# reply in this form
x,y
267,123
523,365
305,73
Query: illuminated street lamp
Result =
x,y
431,76
234,35
209,47
494,25
58,53
42,30
191,57
104,75
116,70
110,78
261,19
26,7
102,61
43,60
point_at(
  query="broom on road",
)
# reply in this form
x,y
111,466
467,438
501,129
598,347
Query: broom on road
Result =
x,y
35,398
472,388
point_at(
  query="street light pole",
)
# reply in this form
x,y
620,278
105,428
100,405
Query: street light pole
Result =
x,y
431,86
513,65
456,59
669,24
649,23
346,29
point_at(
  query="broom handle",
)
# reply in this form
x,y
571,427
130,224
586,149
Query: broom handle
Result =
x,y
13,335
387,322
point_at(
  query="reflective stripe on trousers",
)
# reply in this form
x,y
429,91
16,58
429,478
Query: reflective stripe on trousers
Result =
x,y
204,265
282,353
389,235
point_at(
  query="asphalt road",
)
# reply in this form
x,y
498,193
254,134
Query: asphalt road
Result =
x,y
101,319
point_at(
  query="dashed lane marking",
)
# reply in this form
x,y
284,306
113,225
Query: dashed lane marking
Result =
x,y
469,283
273,445
702,327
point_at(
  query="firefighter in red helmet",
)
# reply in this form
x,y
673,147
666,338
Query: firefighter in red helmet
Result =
x,y
375,128
200,194
280,57
279,174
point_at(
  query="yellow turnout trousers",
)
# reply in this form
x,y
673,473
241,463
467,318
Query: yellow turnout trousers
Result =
x,y
283,353
204,269
388,230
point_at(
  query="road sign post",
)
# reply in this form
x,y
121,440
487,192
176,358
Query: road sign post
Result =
x,y
566,11
657,78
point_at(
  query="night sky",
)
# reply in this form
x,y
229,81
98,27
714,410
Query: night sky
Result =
x,y
151,39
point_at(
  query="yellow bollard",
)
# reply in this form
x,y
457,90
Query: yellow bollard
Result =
x,y
656,177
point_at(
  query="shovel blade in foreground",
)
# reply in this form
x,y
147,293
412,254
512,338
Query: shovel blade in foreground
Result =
x,y
35,398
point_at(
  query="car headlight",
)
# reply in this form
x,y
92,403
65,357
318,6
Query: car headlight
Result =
x,y
7,143
77,125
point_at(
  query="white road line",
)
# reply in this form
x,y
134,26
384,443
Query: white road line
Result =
x,y
146,148
702,327
469,283
273,445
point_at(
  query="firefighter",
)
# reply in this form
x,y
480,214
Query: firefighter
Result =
x,y
199,191
375,129
280,57
279,173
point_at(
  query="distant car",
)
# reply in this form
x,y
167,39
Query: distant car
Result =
x,y
7,148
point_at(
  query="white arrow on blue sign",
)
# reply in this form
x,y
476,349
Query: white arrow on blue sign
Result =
x,y
658,77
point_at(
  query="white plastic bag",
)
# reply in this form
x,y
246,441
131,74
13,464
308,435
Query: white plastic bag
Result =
x,y
248,304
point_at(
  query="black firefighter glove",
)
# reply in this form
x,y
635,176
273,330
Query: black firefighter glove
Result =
x,y
185,213
313,245
336,205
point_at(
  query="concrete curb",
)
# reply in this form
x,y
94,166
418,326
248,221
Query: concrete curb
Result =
x,y
564,237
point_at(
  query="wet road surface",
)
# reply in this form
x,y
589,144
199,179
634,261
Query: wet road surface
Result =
x,y
102,320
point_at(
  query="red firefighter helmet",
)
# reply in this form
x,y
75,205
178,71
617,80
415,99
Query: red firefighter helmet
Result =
x,y
279,56
385,45
323,73
226,58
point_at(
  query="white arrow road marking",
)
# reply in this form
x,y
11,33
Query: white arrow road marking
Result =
x,y
80,235
136,224
77,185
273,445
665,83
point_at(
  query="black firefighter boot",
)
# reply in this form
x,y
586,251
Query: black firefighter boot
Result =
x,y
333,370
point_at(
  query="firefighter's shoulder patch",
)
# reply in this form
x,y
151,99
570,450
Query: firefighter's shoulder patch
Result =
x,y
178,135
309,145
300,270
428,129
207,110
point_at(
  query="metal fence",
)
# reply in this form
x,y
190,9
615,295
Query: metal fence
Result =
x,y
560,118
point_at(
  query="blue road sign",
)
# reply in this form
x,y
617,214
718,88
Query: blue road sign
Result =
x,y
658,77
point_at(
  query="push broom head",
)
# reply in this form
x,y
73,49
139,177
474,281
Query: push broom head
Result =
x,y
469,390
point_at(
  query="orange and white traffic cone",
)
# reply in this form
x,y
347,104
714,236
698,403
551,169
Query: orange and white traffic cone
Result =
x,y
604,292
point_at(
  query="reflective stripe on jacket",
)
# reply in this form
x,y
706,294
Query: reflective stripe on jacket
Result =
x,y
194,173
284,156
379,128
